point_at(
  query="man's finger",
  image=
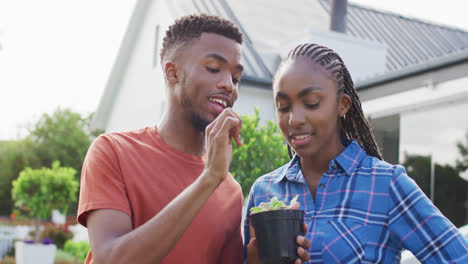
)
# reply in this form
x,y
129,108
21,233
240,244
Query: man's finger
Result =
x,y
235,132
305,227
231,127
238,140
217,122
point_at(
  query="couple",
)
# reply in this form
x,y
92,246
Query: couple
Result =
x,y
164,194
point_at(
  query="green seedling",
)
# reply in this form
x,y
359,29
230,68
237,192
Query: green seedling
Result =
x,y
273,204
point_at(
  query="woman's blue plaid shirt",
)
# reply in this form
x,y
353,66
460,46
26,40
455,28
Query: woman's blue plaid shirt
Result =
x,y
365,211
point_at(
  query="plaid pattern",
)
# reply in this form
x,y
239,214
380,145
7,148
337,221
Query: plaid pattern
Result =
x,y
365,211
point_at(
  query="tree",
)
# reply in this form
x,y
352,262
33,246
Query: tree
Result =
x,y
37,192
14,156
450,190
462,162
418,167
64,136
450,193
263,150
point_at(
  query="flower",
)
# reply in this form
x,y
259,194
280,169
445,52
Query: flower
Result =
x,y
46,241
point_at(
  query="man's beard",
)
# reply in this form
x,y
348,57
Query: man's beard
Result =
x,y
198,122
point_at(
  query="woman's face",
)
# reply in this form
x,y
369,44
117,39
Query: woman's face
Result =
x,y
307,107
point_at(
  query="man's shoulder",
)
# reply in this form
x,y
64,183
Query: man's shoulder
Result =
x,y
143,134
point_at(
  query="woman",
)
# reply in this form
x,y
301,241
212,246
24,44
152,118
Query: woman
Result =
x,y
358,207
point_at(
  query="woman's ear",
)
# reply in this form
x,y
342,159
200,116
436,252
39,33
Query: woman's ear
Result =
x,y
345,104
170,72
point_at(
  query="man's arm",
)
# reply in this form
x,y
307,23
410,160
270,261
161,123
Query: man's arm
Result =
x,y
111,236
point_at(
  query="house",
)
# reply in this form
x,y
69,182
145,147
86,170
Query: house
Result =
x,y
411,75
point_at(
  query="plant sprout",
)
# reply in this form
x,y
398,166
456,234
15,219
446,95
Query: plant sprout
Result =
x,y
273,204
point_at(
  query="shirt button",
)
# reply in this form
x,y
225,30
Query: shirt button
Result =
x,y
321,186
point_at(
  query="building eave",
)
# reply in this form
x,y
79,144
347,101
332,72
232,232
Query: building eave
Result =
x,y
442,62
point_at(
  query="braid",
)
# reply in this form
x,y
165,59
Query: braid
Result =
x,y
290,152
355,125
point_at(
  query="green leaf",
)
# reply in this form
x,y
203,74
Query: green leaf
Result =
x,y
256,210
293,200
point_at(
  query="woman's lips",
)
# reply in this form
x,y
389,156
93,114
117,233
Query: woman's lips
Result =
x,y
299,140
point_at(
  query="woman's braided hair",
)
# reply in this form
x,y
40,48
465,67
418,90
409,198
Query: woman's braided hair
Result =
x,y
354,125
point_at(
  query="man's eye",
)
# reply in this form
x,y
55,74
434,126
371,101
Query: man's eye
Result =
x,y
212,70
235,80
283,109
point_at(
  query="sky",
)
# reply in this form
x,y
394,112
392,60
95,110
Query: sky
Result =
x,y
55,53
59,53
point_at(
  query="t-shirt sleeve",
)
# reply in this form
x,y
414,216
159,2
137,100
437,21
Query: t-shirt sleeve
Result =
x,y
102,185
420,226
232,251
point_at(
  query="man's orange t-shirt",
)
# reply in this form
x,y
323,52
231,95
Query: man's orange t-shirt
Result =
x,y
138,173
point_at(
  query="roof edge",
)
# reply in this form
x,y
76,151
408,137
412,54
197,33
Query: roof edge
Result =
x,y
447,60
102,115
256,80
406,16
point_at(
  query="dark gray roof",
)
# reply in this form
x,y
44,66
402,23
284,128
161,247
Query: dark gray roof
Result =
x,y
255,68
409,41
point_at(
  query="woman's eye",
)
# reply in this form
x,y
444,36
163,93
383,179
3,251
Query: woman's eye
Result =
x,y
312,105
212,70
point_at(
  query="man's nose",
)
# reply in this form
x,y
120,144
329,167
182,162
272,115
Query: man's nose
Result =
x,y
226,83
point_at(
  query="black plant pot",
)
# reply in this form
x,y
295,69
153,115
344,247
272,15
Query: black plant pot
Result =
x,y
276,233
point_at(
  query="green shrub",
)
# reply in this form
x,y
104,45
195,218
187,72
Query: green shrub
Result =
x,y
37,192
62,257
78,249
263,150
65,261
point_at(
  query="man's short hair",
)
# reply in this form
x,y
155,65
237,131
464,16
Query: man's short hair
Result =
x,y
189,28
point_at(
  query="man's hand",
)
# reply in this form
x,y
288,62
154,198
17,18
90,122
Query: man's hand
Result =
x,y
218,143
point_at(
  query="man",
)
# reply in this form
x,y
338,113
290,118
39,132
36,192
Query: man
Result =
x,y
164,194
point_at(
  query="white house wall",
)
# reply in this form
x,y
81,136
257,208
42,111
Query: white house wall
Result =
x,y
251,97
142,90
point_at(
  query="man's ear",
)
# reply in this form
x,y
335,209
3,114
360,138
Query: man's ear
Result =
x,y
170,72
345,104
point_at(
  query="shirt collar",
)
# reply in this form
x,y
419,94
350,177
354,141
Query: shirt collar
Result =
x,y
348,160
291,171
